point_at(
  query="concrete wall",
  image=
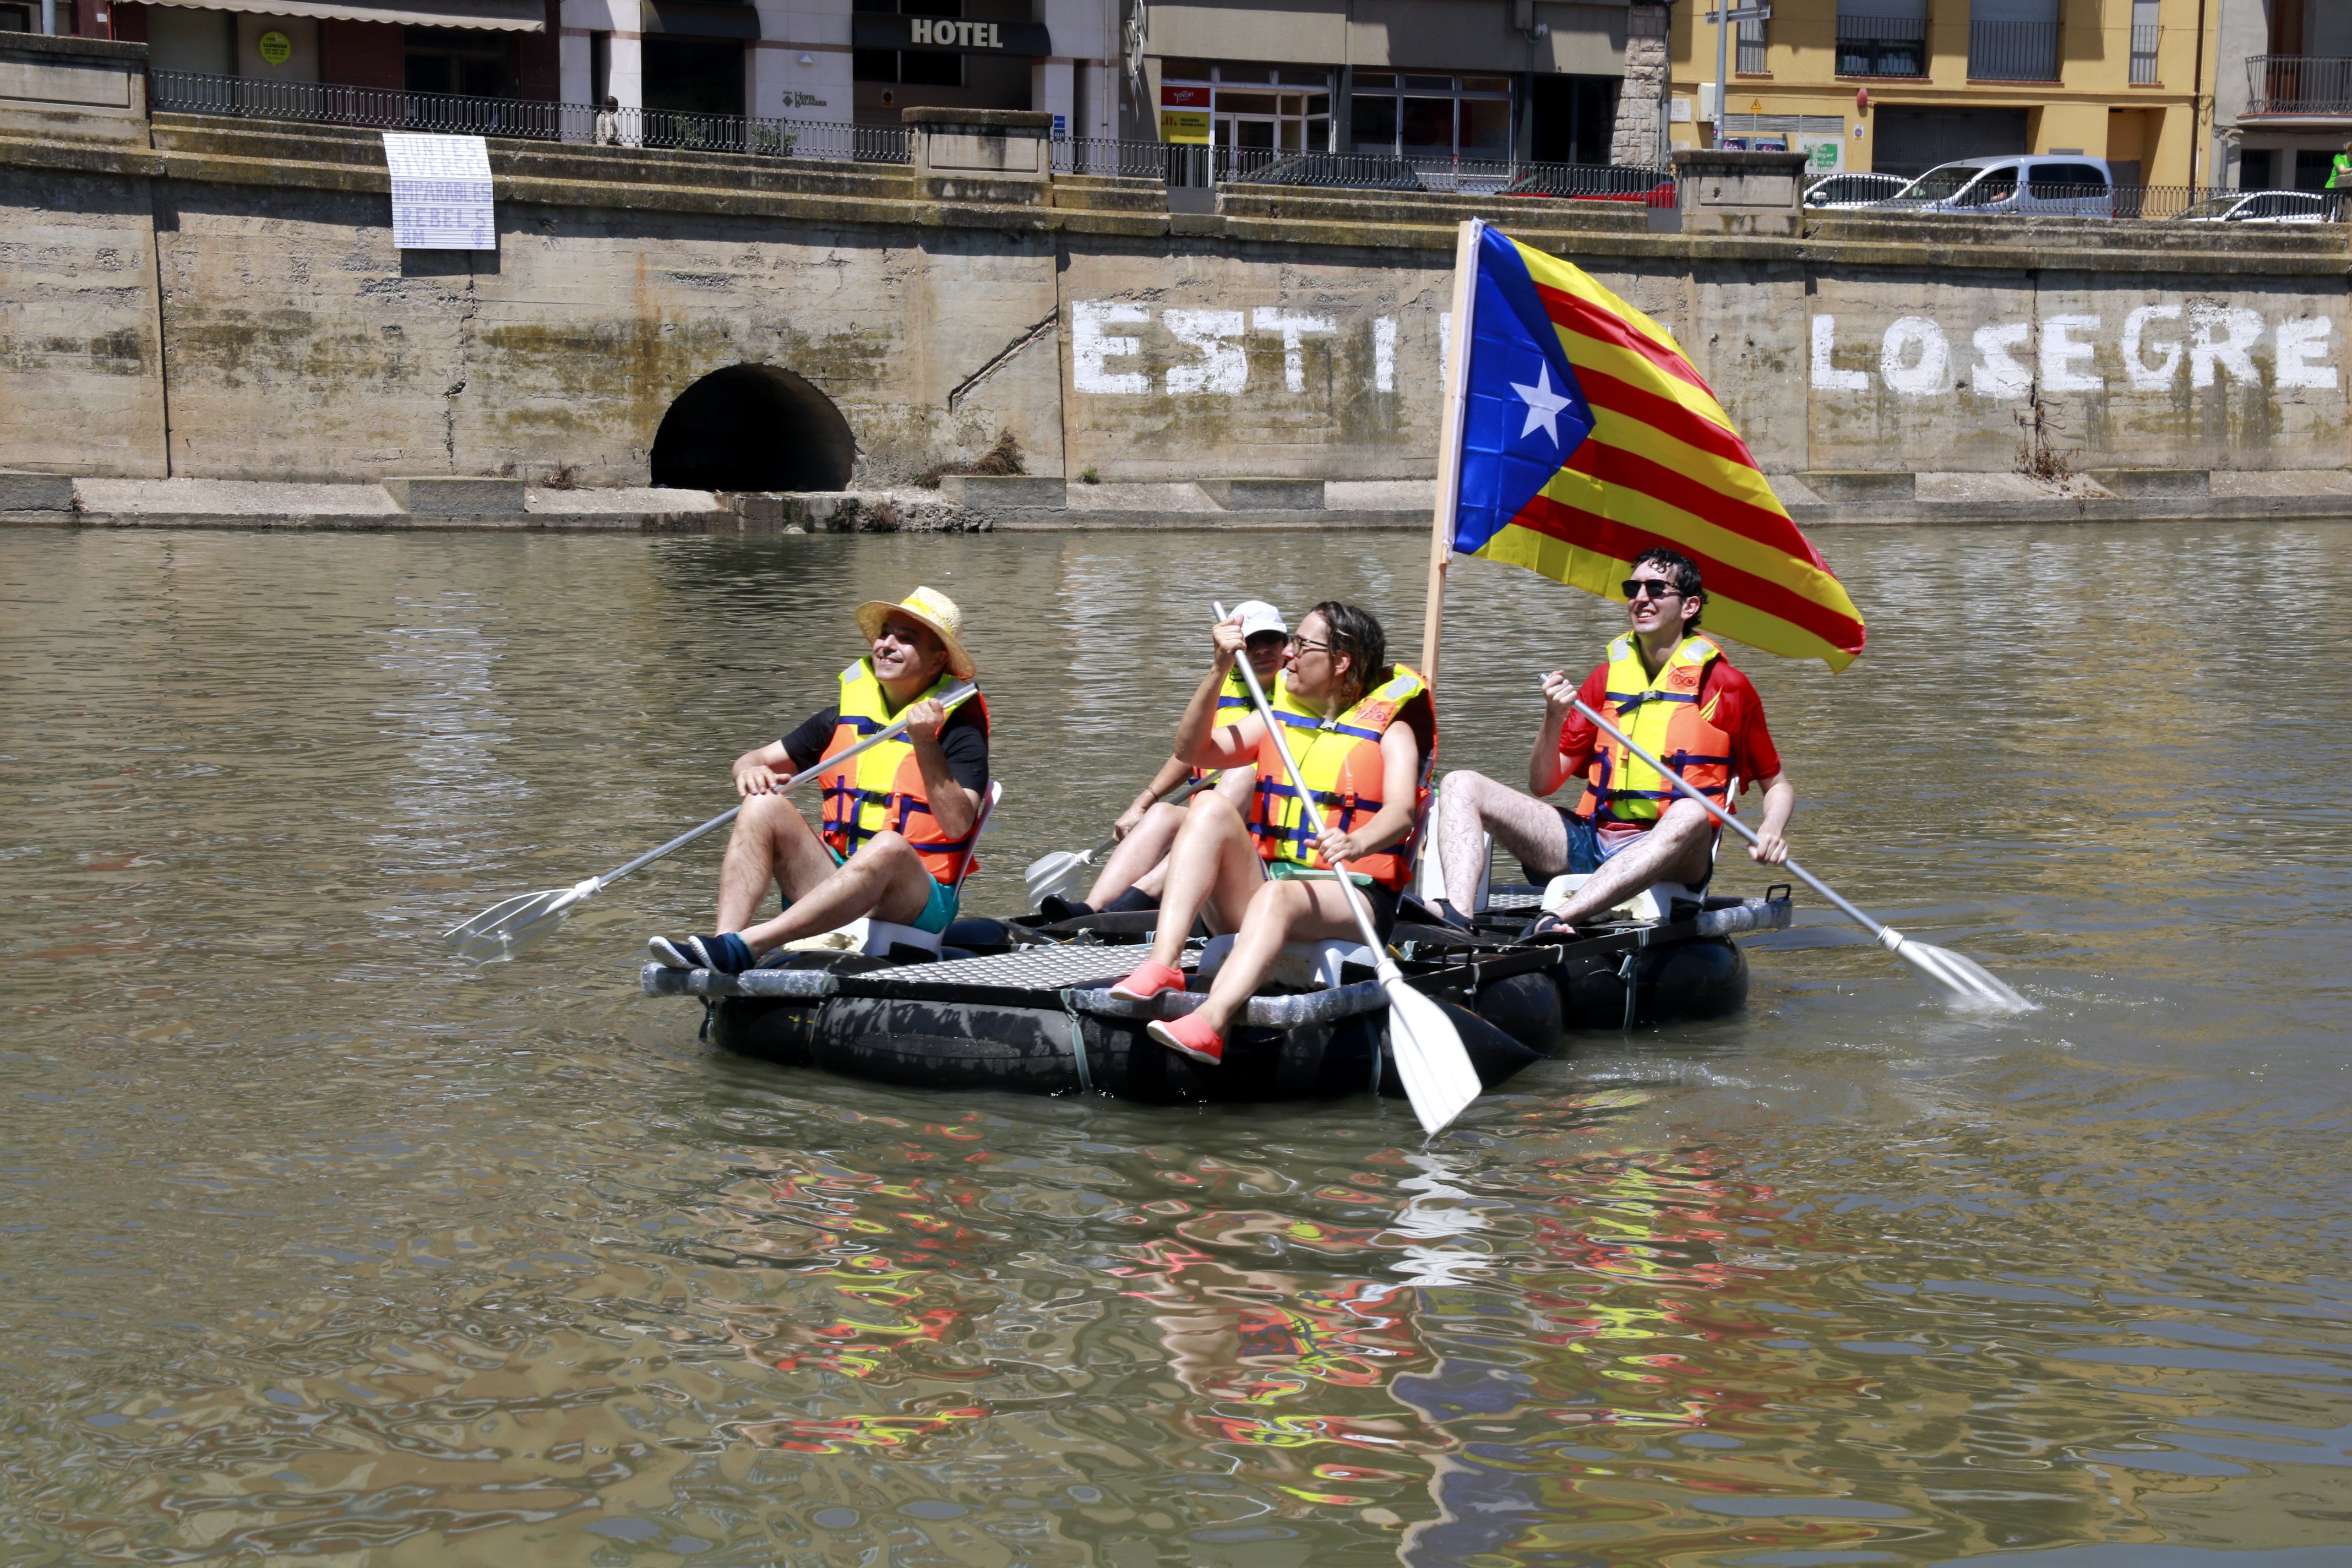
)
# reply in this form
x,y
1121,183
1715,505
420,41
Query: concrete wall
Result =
x,y
1289,335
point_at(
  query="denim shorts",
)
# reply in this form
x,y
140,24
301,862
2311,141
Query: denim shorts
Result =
x,y
1586,850
939,909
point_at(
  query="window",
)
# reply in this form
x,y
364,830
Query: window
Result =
x,y
2049,180
1278,108
1752,48
455,59
917,66
1416,116
1997,186
2144,32
2013,40
1881,37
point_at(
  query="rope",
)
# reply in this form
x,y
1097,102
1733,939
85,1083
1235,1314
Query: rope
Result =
x,y
1625,972
1078,1040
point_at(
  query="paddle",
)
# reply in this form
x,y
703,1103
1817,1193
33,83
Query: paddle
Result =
x,y
506,927
1436,1071
1967,982
1050,874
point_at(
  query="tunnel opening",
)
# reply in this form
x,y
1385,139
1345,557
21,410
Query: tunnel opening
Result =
x,y
753,427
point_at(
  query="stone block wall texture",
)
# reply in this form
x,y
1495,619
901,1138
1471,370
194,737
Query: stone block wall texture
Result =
x,y
284,337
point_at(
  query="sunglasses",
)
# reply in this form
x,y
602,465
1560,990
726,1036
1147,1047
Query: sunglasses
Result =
x,y
1655,588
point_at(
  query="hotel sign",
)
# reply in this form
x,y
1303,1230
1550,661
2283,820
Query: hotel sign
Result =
x,y
951,35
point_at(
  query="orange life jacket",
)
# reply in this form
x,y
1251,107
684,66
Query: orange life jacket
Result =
x,y
1339,760
1664,716
883,789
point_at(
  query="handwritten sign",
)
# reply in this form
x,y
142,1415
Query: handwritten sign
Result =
x,y
440,192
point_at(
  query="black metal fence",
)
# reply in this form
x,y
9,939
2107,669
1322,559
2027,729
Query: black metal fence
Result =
x,y
1196,165
383,109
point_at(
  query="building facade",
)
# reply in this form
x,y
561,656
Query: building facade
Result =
x,y
1898,86
2283,94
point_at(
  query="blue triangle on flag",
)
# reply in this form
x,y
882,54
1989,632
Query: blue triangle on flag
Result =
x,y
1523,412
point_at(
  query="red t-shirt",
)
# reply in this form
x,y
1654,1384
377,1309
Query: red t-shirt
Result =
x,y
1739,712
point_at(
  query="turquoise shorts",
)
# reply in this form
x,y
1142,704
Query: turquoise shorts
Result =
x,y
939,909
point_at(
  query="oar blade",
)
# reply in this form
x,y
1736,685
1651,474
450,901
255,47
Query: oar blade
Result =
x,y
495,917
1051,874
1965,982
1436,1071
504,930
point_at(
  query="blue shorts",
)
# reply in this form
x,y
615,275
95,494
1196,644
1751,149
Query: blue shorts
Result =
x,y
939,909
1586,849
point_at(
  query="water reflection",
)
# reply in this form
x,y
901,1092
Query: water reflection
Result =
x,y
319,1245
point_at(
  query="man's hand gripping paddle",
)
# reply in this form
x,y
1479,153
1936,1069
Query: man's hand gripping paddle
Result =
x,y
1058,872
1437,1074
506,928
1964,980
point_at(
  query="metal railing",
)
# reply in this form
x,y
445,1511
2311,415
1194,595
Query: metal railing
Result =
x,y
1881,45
327,103
1750,39
2186,204
2012,51
1199,167
2298,84
2145,36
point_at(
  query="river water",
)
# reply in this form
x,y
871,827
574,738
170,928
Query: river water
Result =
x,y
321,1247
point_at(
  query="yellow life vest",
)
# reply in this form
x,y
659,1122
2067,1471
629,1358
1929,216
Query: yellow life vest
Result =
x,y
883,790
1662,716
1233,704
1339,760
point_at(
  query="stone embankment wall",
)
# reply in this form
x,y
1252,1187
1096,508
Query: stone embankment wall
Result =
x,y
222,299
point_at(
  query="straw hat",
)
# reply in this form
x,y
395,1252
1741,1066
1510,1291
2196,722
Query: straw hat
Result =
x,y
933,609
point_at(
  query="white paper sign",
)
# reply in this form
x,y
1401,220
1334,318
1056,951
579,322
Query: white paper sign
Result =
x,y
440,192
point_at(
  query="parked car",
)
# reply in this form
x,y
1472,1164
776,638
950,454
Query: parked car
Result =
x,y
2264,207
2015,186
1593,183
1834,192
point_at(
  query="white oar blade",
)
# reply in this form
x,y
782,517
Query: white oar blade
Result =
x,y
1965,982
495,916
1434,1068
520,923
1052,874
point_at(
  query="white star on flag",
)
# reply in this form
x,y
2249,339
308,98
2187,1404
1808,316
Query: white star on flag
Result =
x,y
1544,405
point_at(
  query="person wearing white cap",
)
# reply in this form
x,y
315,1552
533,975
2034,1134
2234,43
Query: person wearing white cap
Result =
x,y
899,819
1131,878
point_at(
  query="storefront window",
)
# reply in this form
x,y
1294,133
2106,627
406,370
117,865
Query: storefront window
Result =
x,y
1416,116
1276,106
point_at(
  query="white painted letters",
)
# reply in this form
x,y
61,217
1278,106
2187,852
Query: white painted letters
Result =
x,y
2240,329
1826,377
2301,342
1384,354
1224,366
1294,329
2060,351
2146,377
1912,335
1999,374
1089,348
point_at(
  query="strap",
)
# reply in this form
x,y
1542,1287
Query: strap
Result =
x,y
1078,1040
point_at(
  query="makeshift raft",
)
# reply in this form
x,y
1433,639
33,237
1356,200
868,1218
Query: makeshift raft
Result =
x,y
1027,1007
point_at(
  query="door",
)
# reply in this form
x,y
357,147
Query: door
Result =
x,y
1913,140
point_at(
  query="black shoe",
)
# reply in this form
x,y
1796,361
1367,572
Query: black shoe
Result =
x,y
1130,902
725,955
1057,909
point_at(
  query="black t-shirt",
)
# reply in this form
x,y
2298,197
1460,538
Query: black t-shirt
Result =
x,y
963,741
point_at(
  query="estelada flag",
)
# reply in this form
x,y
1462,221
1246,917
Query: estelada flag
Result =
x,y
1587,437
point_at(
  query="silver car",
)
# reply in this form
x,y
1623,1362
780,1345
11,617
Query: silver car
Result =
x,y
2264,207
2032,185
1835,192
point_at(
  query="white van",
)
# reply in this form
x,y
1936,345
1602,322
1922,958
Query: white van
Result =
x,y
2034,186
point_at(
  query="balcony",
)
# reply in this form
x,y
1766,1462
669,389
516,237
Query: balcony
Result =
x,y
2012,51
2144,39
2313,85
1881,45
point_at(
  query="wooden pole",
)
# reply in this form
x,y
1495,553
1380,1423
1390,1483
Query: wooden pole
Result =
x,y
1449,442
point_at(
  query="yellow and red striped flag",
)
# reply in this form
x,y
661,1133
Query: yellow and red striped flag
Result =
x,y
1585,438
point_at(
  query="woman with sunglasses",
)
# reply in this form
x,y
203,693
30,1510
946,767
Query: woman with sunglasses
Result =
x,y
1363,733
1670,687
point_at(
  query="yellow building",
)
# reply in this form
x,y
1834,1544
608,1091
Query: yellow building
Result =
x,y
1899,86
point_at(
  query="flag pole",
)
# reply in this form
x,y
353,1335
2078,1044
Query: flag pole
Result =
x,y
1449,442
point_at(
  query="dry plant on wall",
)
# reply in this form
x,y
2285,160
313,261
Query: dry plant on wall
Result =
x,y
1000,460
2037,456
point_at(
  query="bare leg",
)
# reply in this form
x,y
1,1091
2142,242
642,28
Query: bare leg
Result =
x,y
1138,853
885,878
1213,866
1280,912
1676,850
773,842
1154,882
1471,805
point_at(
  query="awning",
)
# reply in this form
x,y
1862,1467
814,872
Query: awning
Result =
x,y
686,19
499,15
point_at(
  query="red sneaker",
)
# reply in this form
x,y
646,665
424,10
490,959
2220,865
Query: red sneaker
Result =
x,y
1188,1036
1148,982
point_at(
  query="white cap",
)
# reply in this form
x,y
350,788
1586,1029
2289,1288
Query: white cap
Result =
x,y
1257,616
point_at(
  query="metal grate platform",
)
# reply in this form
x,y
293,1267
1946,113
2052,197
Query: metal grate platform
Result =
x,y
1506,902
1034,969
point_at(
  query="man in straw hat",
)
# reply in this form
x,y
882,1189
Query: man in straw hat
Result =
x,y
897,821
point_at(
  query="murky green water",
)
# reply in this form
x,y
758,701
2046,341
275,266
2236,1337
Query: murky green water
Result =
x,y
320,1247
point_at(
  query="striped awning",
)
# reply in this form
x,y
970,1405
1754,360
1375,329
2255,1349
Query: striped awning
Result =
x,y
499,15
